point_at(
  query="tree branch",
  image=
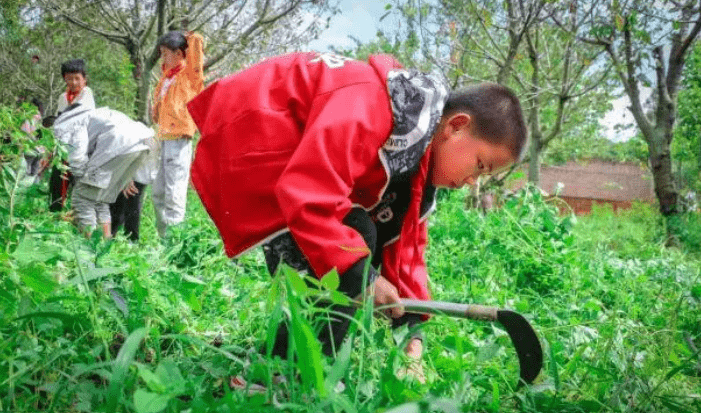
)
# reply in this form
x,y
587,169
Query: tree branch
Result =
x,y
631,85
119,38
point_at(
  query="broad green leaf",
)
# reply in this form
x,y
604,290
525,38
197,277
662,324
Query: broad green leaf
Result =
x,y
331,280
341,363
153,381
193,300
147,402
495,405
38,279
70,321
296,281
306,346
273,325
340,298
169,374
121,367
31,251
94,274
308,353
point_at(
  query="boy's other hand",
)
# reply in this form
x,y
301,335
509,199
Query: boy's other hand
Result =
x,y
130,190
386,294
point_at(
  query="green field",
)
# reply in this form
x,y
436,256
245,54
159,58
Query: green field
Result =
x,y
162,326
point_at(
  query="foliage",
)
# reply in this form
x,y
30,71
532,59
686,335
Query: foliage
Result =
x,y
525,237
641,38
124,331
686,147
163,325
474,41
53,42
562,151
236,33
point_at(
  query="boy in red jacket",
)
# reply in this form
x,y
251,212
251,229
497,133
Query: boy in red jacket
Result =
x,y
329,162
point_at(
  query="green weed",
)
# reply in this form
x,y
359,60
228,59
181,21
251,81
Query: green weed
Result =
x,y
88,325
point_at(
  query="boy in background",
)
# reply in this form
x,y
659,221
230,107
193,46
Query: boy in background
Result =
x,y
182,79
77,92
126,210
105,148
329,163
35,159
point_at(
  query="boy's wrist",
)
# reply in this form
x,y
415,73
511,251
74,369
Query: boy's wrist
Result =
x,y
351,281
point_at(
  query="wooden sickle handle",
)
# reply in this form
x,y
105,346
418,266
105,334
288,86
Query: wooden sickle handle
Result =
x,y
470,311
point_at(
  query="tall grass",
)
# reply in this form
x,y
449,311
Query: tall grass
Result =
x,y
88,325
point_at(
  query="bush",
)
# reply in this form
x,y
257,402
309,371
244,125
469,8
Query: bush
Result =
x,y
526,239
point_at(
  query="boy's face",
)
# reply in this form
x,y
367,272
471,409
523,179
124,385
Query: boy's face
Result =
x,y
171,58
459,157
74,81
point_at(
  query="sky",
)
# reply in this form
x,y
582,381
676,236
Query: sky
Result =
x,y
361,19
358,18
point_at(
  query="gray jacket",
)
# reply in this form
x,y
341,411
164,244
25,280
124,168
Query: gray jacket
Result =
x,y
105,147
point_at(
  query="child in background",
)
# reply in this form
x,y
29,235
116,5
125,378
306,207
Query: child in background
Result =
x,y
35,159
77,92
329,163
126,210
105,149
182,79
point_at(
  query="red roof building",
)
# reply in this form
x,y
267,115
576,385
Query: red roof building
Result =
x,y
588,182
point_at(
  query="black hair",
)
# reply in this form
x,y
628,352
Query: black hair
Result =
x,y
73,66
496,112
40,106
48,121
174,40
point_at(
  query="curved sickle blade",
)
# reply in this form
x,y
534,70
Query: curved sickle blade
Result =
x,y
530,353
523,337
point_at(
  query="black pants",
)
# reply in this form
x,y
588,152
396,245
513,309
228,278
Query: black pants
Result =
x,y
127,212
59,184
284,249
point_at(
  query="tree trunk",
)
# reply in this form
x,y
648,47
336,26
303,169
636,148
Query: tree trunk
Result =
x,y
534,162
142,94
662,174
141,72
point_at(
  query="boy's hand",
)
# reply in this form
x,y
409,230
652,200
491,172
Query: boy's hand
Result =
x,y
130,190
386,294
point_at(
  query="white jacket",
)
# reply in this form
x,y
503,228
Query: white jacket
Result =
x,y
85,98
105,148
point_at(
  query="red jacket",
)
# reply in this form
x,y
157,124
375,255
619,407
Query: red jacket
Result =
x,y
293,143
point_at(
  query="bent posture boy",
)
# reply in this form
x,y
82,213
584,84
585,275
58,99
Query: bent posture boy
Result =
x,y
105,148
329,162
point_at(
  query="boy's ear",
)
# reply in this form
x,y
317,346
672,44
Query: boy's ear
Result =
x,y
459,121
